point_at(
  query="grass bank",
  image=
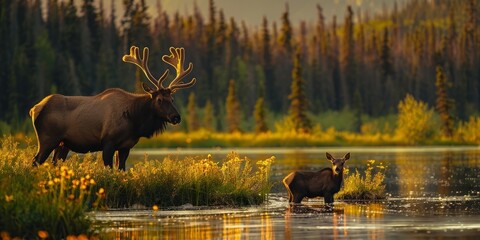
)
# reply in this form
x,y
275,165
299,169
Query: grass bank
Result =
x,y
320,138
53,200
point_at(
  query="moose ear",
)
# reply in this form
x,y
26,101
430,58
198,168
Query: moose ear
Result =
x,y
329,157
346,157
147,89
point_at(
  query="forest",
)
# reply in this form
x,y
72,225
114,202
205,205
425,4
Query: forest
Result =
x,y
360,67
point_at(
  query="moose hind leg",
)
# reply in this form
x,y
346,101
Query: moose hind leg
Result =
x,y
289,192
297,198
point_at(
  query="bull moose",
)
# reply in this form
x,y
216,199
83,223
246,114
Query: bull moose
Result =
x,y
113,120
324,183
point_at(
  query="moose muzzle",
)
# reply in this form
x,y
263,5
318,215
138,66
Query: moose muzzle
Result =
x,y
175,119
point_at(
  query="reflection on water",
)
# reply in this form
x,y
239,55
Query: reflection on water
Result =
x,y
434,193
395,218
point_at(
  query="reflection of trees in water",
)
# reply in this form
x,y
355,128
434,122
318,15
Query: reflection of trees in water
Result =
x,y
413,171
442,173
445,172
299,160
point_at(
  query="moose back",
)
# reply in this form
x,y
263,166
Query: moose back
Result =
x,y
113,120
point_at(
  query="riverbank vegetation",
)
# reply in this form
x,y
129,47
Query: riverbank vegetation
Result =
x,y
416,124
54,200
368,185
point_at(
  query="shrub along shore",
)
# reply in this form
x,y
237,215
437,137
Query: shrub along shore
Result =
x,y
320,138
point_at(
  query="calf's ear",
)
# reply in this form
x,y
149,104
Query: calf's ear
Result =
x,y
329,157
346,157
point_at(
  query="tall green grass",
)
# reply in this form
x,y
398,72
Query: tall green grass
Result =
x,y
44,201
53,200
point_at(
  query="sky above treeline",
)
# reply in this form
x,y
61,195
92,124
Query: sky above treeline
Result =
x,y
253,11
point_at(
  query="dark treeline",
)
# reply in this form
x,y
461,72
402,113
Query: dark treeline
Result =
x,y
367,64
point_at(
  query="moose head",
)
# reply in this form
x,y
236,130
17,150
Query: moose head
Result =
x,y
337,163
161,96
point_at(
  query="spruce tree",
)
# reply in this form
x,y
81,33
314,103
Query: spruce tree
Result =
x,y
286,31
233,109
192,118
268,67
444,104
298,100
208,118
347,59
259,114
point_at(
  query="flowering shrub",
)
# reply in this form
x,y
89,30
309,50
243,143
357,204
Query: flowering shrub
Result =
x,y
366,186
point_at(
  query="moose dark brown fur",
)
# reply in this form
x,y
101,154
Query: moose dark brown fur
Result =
x,y
113,120
324,183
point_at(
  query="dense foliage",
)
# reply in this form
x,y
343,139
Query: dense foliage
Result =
x,y
368,64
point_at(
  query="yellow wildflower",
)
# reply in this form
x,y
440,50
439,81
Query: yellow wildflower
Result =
x,y
42,234
82,237
8,198
71,197
75,182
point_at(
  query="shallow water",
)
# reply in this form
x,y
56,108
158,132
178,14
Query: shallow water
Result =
x,y
433,193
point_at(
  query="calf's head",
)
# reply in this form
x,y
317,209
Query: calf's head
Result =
x,y
162,99
337,163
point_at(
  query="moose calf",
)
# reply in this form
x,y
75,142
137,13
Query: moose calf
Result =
x,y
324,183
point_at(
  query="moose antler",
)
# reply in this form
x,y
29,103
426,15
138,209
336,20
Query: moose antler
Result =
x,y
176,60
142,62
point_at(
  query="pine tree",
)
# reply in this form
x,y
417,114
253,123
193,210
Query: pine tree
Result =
x,y
192,119
208,118
386,71
347,59
286,31
298,101
233,109
259,114
267,63
444,104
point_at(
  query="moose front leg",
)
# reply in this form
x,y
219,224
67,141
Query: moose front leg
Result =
x,y
60,152
123,155
329,200
107,155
